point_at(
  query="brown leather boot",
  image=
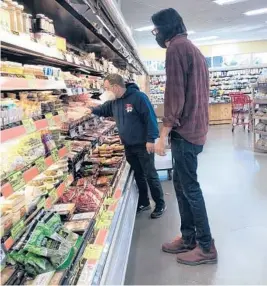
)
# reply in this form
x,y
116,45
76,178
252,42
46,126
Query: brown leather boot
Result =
x,y
177,246
198,256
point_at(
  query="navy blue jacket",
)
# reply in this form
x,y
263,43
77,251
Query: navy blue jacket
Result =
x,y
134,115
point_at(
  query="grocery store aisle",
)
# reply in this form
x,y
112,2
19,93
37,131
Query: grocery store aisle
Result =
x,y
233,180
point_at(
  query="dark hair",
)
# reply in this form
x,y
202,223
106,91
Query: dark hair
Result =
x,y
115,79
169,22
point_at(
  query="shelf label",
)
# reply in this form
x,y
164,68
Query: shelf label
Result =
x,y
41,204
110,201
50,119
32,84
61,114
29,125
54,155
104,224
17,230
68,145
53,196
16,180
40,164
107,215
93,252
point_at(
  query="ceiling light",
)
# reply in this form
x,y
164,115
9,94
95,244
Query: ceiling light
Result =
x,y
256,12
206,38
146,28
228,2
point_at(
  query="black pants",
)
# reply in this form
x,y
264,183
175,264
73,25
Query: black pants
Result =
x,y
194,219
145,173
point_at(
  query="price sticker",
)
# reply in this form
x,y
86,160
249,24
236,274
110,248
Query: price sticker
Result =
x,y
29,125
68,145
40,164
107,215
53,196
61,114
93,252
16,180
54,155
110,201
18,229
104,224
50,119
41,203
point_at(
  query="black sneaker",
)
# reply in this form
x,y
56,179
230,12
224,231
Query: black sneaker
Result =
x,y
158,212
142,208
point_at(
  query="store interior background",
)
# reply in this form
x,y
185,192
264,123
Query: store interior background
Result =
x,y
231,174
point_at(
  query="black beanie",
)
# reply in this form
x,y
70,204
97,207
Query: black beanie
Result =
x,y
169,23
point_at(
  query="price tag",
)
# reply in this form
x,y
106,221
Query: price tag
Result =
x,y
40,164
16,180
50,119
107,215
53,196
93,252
61,114
41,203
68,145
17,230
54,155
104,224
110,201
29,125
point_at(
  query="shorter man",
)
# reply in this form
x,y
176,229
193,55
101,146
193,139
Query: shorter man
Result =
x,y
138,130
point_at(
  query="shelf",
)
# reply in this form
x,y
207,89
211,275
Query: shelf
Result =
x,y
260,101
262,148
260,117
260,132
13,83
47,204
27,175
15,132
41,54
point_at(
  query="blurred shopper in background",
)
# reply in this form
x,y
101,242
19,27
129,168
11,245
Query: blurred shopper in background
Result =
x,y
186,120
138,129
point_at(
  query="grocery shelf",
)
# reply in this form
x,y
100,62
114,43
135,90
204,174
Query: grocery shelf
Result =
x,y
31,173
261,132
260,117
15,83
46,203
40,54
17,131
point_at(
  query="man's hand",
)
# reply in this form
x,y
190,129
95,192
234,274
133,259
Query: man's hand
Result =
x,y
150,147
160,147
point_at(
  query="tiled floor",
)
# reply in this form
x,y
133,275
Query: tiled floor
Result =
x,y
234,183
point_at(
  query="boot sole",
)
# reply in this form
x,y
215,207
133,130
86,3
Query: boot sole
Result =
x,y
210,261
177,251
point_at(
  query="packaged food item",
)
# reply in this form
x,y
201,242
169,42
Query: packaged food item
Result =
x,y
64,209
83,216
77,226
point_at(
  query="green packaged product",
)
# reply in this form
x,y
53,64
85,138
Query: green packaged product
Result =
x,y
41,264
54,229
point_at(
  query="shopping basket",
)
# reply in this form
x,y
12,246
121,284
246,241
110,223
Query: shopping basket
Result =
x,y
241,110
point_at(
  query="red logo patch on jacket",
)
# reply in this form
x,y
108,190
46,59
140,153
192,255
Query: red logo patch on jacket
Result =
x,y
128,107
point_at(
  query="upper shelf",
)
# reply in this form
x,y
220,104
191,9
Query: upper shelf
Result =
x,y
13,83
40,54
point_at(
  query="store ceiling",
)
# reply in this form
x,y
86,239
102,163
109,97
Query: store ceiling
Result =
x,y
204,17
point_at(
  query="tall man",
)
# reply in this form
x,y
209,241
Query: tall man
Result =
x,y
186,119
138,130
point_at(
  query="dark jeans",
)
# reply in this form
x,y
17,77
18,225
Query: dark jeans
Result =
x,y
194,219
145,173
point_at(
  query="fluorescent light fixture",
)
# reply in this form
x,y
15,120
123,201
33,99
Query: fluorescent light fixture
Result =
x,y
143,29
206,38
256,12
228,2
